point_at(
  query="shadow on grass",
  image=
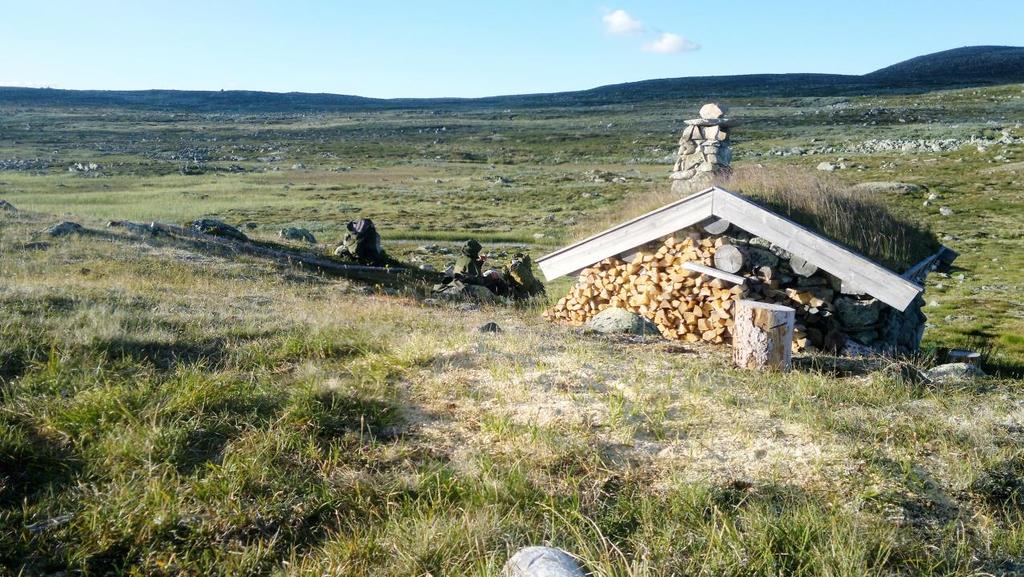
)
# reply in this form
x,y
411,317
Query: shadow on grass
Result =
x,y
32,464
836,366
13,364
199,447
922,502
1001,485
336,414
163,355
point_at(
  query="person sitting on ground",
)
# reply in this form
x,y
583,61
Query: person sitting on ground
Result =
x,y
362,243
519,276
470,264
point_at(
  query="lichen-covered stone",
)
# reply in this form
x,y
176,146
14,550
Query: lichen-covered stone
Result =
x,y
215,227
541,562
295,233
858,314
64,229
953,373
620,321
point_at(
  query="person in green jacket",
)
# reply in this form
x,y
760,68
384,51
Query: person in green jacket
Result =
x,y
469,264
519,277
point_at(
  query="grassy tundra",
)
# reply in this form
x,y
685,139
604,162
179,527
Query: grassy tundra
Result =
x,y
170,411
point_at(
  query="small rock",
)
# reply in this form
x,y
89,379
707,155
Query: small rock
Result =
x,y
428,267
826,166
132,227
6,206
953,373
890,187
538,235
295,233
491,327
541,562
64,228
945,211
434,249
614,320
853,349
215,227
43,526
713,110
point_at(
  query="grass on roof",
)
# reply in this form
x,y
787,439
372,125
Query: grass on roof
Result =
x,y
819,202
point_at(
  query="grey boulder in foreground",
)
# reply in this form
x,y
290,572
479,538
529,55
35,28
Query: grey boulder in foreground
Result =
x,y
541,562
64,229
953,373
613,320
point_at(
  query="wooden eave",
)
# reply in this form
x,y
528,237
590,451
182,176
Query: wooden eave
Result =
x,y
714,202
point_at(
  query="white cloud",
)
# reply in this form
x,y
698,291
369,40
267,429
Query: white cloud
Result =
x,y
669,43
620,23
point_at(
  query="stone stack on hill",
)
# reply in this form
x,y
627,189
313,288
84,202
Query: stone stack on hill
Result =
x,y
703,149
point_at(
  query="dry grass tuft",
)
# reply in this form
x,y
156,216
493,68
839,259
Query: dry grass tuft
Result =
x,y
832,208
819,202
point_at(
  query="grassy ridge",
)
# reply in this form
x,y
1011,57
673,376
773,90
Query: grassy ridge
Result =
x,y
168,412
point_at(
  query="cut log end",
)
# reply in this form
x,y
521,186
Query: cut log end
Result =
x,y
718,226
729,258
802,267
763,335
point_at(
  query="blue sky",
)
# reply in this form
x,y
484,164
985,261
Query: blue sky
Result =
x,y
386,48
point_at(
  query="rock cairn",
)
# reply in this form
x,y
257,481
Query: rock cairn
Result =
x,y
703,149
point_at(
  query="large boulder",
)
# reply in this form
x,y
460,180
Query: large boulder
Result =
x,y
614,320
215,227
953,373
295,233
64,229
858,314
541,562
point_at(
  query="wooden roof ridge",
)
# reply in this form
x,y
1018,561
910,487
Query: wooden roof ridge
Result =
x,y
870,277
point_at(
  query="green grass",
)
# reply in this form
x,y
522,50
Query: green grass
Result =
x,y
164,411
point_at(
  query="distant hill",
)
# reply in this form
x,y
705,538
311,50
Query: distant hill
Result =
x,y
239,100
968,65
960,67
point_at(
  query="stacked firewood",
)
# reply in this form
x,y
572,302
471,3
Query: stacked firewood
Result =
x,y
687,284
684,303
